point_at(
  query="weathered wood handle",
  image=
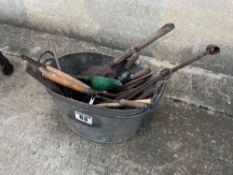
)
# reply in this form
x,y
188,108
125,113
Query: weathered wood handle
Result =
x,y
140,73
130,103
64,79
133,104
154,36
59,77
131,60
67,76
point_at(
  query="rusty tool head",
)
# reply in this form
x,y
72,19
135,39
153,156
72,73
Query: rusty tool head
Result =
x,y
140,73
212,49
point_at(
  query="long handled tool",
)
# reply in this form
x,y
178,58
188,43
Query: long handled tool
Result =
x,y
167,73
65,80
35,73
137,78
60,77
130,103
140,73
106,69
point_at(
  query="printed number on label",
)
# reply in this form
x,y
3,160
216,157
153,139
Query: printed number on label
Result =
x,y
83,117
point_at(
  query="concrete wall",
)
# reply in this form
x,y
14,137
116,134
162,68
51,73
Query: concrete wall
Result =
x,y
120,23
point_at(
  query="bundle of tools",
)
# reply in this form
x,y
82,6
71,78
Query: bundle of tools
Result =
x,y
107,88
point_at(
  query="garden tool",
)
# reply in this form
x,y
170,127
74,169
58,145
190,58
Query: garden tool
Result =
x,y
130,103
167,72
106,69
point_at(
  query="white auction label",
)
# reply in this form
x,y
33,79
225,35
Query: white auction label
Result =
x,y
83,117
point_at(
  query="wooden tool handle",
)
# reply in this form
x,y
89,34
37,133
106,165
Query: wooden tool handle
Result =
x,y
154,36
123,102
133,104
65,80
140,73
67,76
131,60
137,79
147,93
122,57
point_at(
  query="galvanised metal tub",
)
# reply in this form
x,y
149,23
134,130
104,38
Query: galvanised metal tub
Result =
x,y
99,124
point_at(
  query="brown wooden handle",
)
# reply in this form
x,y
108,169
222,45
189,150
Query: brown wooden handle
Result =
x,y
123,102
134,104
154,36
147,93
66,76
140,73
122,57
131,60
61,78
137,79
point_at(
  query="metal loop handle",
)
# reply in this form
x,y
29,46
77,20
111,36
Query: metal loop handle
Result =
x,y
47,52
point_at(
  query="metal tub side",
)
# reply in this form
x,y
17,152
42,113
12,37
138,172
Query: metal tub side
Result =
x,y
108,125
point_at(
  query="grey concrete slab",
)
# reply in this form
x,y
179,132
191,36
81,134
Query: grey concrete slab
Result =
x,y
179,139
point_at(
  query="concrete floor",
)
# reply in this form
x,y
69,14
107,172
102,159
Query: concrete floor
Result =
x,y
180,139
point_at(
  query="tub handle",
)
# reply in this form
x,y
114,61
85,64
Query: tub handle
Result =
x,y
46,60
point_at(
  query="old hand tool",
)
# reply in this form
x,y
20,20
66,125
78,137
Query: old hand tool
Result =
x,y
7,67
64,79
130,62
130,103
106,69
140,73
167,73
100,83
60,77
35,73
